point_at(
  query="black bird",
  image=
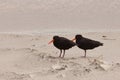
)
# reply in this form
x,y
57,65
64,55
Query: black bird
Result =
x,y
86,44
62,44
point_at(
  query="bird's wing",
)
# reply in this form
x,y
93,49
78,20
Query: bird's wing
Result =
x,y
67,41
92,42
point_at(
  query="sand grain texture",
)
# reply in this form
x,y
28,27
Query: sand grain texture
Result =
x,y
29,57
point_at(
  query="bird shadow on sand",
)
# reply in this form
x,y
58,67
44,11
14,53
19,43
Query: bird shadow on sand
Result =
x,y
65,58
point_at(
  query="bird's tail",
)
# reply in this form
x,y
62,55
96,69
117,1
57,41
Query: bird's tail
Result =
x,y
101,44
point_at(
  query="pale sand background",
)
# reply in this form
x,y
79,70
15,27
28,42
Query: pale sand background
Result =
x,y
26,27
29,57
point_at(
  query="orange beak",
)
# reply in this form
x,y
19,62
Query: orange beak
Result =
x,y
51,41
73,39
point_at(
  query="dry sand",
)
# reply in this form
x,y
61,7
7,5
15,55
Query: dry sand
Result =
x,y
29,57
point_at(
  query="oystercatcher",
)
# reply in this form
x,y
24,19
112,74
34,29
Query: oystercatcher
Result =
x,y
85,43
62,44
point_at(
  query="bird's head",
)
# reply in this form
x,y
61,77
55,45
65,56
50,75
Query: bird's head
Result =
x,y
78,36
54,38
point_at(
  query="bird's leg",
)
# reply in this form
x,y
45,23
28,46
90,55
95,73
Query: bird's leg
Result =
x,y
63,54
60,53
85,54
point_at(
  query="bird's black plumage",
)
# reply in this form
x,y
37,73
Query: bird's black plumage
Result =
x,y
86,44
62,44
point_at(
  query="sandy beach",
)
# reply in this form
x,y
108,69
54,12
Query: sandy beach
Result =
x,y
25,56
